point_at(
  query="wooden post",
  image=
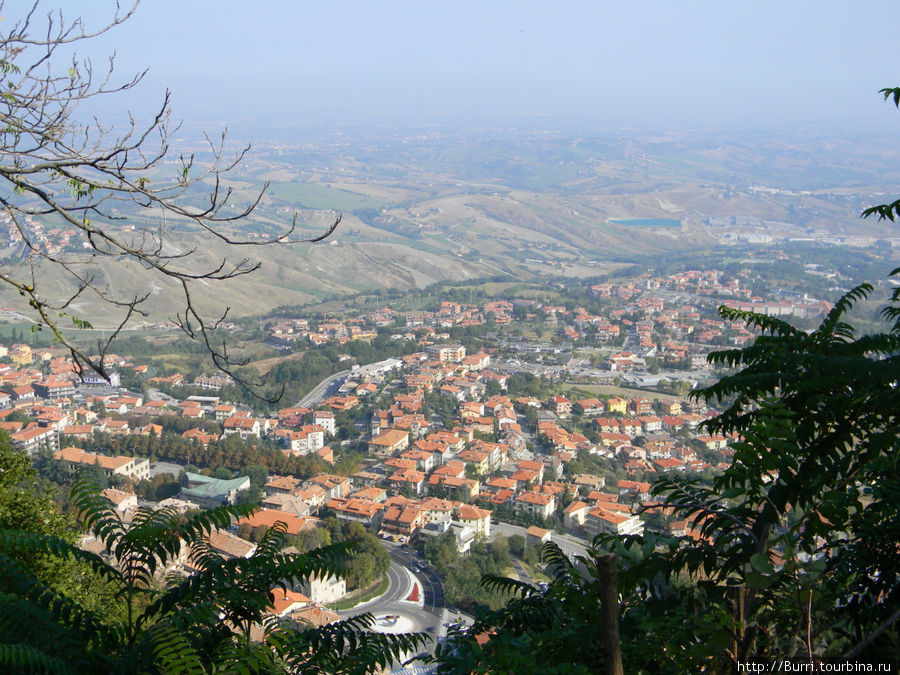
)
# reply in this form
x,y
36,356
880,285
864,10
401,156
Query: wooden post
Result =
x,y
608,590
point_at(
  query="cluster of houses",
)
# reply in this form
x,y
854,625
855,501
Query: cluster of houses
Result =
x,y
422,478
306,600
667,327
419,477
673,330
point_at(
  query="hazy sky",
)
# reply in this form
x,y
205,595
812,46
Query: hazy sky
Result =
x,y
710,63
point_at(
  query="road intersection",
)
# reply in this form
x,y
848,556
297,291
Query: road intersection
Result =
x,y
426,613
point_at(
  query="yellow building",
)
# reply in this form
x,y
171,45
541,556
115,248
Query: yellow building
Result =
x,y
21,355
617,405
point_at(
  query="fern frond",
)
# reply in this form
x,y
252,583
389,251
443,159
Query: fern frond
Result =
x,y
202,555
558,562
273,540
343,646
842,306
764,322
891,92
883,211
174,653
245,658
499,584
12,541
239,586
202,523
25,658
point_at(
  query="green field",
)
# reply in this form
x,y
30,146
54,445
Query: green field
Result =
x,y
323,197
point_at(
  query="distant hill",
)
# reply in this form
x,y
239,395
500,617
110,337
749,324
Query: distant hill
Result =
x,y
456,207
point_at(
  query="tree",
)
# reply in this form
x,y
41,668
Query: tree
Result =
x,y
222,473
517,545
257,474
537,631
200,623
88,177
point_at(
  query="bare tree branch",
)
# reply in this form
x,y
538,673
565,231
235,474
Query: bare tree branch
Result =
x,y
54,166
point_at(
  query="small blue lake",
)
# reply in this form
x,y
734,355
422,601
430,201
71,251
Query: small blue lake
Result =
x,y
646,222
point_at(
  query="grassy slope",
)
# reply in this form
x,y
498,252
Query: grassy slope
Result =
x,y
483,208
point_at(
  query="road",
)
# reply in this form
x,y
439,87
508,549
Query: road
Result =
x,y
567,543
429,618
330,384
323,389
431,582
521,572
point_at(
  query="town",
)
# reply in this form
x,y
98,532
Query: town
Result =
x,y
541,422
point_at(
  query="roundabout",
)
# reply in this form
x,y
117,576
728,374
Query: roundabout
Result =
x,y
412,603
393,623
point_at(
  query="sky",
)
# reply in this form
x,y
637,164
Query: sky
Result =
x,y
702,64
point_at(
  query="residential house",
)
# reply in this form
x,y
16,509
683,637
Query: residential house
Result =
x,y
476,518
54,389
437,511
590,407
602,521
121,500
230,545
535,504
650,424
411,478
282,485
536,536
267,518
560,405
33,437
358,510
326,420
388,442
132,468
617,405
447,353
287,503
334,486
245,426
405,521
574,515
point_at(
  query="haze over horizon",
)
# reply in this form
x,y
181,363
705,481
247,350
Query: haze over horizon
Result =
x,y
579,65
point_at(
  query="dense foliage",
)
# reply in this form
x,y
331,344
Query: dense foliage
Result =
x,y
461,573
231,452
199,622
536,631
370,560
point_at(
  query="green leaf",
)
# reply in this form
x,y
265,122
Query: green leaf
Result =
x,y
761,563
757,580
